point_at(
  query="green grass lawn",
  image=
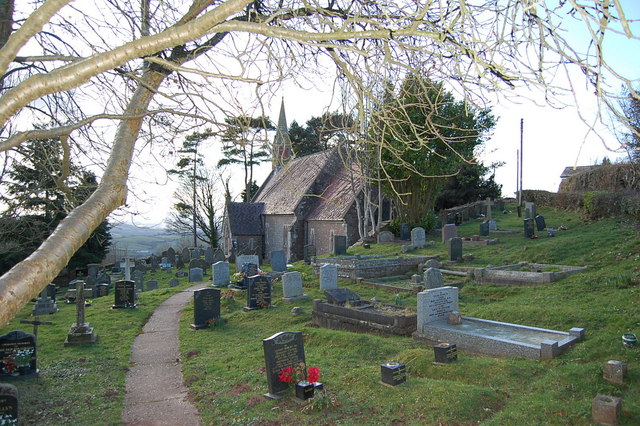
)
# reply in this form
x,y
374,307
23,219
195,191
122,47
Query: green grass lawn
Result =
x,y
224,367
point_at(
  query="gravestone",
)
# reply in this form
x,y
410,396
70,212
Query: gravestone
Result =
x,y
529,229
292,286
393,373
405,232
278,262
180,274
449,231
93,269
339,244
249,269
179,262
433,278
220,273
218,256
171,255
529,210
540,223
124,292
104,278
195,275
340,296
418,237
80,333
309,253
18,355
386,237
614,371
489,204
197,253
138,276
282,350
206,307
258,292
455,248
606,409
208,256
484,229
152,285
186,255
174,282
101,290
445,353
51,291
165,262
154,262
328,277
246,258
493,226
44,304
8,404
435,304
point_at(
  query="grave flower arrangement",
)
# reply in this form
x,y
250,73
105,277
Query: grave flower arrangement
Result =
x,y
17,359
307,379
216,322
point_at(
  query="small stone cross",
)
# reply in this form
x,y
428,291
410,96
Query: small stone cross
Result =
x,y
80,305
488,203
36,322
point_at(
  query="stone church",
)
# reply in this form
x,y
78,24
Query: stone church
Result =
x,y
305,200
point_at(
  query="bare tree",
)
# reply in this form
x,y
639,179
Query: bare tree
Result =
x,y
106,79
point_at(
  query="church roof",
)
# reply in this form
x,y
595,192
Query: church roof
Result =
x,y
570,171
337,199
244,218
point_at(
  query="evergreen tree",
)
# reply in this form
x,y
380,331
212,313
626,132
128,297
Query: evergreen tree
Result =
x,y
467,186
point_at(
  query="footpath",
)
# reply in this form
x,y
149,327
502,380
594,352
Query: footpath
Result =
x,y
155,391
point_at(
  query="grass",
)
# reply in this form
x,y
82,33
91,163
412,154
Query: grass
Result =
x,y
224,367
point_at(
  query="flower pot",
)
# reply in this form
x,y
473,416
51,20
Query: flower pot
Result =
x,y
629,340
304,390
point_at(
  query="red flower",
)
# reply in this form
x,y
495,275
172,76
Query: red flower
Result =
x,y
286,375
313,374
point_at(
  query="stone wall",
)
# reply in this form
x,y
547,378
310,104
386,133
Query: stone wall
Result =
x,y
355,267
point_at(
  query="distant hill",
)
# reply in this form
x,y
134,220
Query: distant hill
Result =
x,y
139,241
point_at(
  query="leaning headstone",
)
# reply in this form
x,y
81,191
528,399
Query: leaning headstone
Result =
x,y
17,355
124,294
484,229
195,275
540,223
186,255
529,229
530,210
171,255
208,256
385,237
435,304
405,232
258,292
220,274
309,253
339,244
152,285
278,262
206,307
328,277
282,350
8,404
433,278
292,286
174,282
455,248
246,258
340,296
418,237
449,231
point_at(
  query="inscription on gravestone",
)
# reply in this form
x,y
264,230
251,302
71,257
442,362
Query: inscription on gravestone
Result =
x,y
328,277
17,354
282,350
435,304
124,294
206,307
258,292
8,404
292,286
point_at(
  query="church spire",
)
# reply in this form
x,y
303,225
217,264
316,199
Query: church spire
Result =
x,y
281,149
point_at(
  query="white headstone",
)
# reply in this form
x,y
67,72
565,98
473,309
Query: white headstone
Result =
x,y
435,305
449,231
220,273
292,285
328,277
418,237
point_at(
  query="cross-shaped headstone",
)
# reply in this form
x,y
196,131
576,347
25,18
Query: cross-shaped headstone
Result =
x,y
127,269
80,305
489,203
36,322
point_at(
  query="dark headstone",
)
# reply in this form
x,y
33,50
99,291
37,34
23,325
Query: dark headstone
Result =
x,y
393,373
249,269
206,307
174,282
125,293
186,255
405,232
282,350
154,262
445,352
340,296
540,223
17,354
195,275
179,262
309,253
258,292
484,229
171,255
278,262
51,291
152,285
218,256
208,256
529,228
8,404
455,248
101,290
339,244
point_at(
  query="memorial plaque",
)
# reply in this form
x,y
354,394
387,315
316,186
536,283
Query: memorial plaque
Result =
x,y
258,292
445,353
206,307
393,373
17,355
282,350
125,292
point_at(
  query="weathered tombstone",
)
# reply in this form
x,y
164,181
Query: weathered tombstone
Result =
x,y
246,258
433,278
340,296
179,262
282,350
435,304
220,273
186,255
432,263
249,269
484,229
529,210
386,237
206,307
208,256
80,333
449,231
8,404
339,244
101,290
309,253
174,282
195,275
124,292
152,285
455,248
171,255
328,277
418,237
93,269
393,373
405,232
18,355
44,304
292,286
278,262
529,229
258,292
218,256
540,223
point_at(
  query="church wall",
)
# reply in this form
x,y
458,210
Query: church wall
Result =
x,y
321,232
277,235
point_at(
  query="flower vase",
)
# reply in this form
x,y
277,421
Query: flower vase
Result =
x,y
304,390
